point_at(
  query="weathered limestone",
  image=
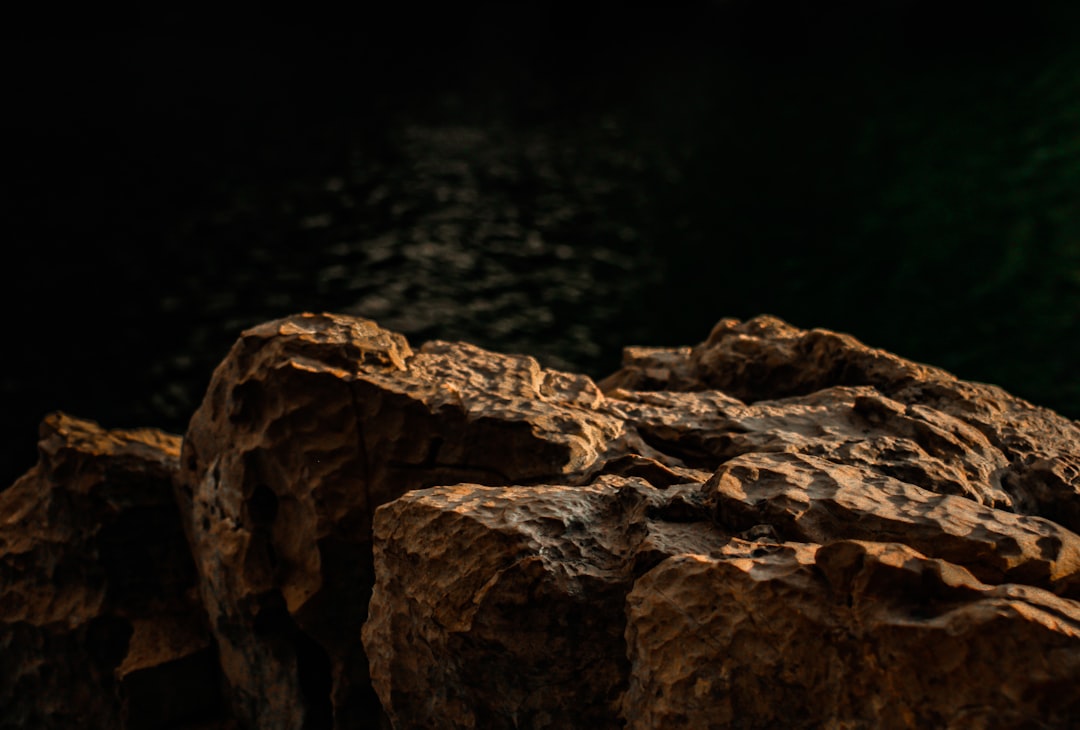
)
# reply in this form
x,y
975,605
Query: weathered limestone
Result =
x,y
848,425
767,359
311,423
504,607
813,500
100,622
776,528
870,530
852,634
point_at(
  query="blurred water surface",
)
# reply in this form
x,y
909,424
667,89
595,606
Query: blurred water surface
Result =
x,y
550,193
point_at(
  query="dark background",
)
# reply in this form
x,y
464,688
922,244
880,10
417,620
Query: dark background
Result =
x,y
539,178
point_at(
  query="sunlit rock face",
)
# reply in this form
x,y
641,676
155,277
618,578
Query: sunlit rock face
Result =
x,y
774,528
1031,452
100,621
847,634
309,425
505,606
877,544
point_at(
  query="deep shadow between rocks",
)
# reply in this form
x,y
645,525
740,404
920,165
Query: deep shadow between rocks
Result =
x,y
312,662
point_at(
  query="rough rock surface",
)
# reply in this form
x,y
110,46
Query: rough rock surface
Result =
x,y
850,634
504,607
100,623
311,423
766,359
870,531
775,528
812,500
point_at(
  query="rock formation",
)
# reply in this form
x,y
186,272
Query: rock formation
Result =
x,y
775,528
869,530
309,425
100,621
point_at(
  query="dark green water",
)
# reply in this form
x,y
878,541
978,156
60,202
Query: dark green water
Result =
x,y
561,192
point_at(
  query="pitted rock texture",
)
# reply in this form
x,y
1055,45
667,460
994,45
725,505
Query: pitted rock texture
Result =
x,y
311,423
504,607
766,359
623,605
850,425
775,528
851,634
100,622
868,530
808,499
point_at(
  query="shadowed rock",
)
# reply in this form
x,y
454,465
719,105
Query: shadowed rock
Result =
x,y
504,607
100,623
310,424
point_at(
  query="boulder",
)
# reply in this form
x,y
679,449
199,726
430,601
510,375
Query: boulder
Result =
x,y
504,607
869,532
775,528
100,620
766,359
851,634
310,423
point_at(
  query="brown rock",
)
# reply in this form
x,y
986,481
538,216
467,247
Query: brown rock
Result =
x,y
767,359
872,528
808,499
100,624
311,423
778,527
852,634
850,425
654,368
504,607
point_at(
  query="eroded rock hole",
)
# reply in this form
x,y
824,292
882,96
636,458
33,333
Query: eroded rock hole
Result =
x,y
244,402
693,455
175,694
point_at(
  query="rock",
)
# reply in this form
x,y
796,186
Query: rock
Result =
x,y
308,426
767,359
812,500
504,607
851,634
100,622
870,531
775,528
849,425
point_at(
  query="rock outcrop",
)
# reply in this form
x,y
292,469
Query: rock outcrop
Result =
x,y
849,634
505,607
765,360
309,425
775,528
869,530
100,621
